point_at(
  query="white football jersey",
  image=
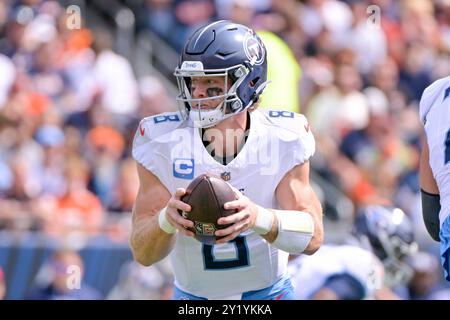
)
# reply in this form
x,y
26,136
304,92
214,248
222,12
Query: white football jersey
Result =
x,y
435,114
173,150
309,273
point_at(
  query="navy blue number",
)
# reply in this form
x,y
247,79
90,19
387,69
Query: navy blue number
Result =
x,y
447,148
171,117
242,259
283,114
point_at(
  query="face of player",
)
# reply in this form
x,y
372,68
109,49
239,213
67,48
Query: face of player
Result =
x,y
208,87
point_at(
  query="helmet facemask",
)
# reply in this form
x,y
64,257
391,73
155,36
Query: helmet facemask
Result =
x,y
229,103
396,250
227,49
388,233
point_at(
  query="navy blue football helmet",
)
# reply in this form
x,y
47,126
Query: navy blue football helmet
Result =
x,y
223,49
388,232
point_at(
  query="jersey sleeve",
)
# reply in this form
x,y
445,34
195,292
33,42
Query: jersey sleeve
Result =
x,y
294,131
145,143
143,151
306,145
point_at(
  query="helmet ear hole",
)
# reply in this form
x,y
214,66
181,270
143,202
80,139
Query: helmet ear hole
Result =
x,y
235,106
254,82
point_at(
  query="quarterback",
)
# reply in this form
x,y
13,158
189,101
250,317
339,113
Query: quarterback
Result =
x,y
262,154
435,165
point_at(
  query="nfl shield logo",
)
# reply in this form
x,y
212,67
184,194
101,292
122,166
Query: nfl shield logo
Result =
x,y
225,176
204,229
198,228
208,229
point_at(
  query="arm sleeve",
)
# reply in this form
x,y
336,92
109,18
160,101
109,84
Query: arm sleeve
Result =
x,y
431,207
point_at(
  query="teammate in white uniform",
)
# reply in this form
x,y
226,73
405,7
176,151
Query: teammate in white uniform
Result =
x,y
367,267
263,154
435,165
340,272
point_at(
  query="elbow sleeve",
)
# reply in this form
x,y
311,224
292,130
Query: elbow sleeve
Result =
x,y
431,207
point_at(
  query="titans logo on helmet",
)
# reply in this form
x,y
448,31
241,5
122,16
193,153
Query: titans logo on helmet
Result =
x,y
253,49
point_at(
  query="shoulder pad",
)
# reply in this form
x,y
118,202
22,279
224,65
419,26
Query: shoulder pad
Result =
x,y
152,127
288,121
440,89
292,128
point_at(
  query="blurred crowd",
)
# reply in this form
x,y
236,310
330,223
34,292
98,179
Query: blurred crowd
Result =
x,y
69,104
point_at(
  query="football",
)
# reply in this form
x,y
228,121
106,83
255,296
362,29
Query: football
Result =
x,y
206,195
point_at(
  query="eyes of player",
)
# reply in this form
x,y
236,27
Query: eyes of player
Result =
x,y
213,87
215,91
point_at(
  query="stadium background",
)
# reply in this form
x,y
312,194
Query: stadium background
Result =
x,y
71,98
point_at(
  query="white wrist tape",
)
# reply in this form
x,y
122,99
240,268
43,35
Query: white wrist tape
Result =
x,y
295,230
164,224
264,220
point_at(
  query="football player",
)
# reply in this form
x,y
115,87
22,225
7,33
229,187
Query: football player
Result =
x,y
263,154
435,165
368,267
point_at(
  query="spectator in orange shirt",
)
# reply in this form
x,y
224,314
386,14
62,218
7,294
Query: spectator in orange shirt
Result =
x,y
78,210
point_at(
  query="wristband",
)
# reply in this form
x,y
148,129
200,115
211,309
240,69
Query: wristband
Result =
x,y
164,224
264,220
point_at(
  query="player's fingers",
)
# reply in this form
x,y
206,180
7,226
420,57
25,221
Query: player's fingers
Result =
x,y
236,227
234,218
177,220
175,224
178,204
179,193
186,232
229,237
183,230
224,232
235,204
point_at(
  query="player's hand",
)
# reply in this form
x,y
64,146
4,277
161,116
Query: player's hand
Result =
x,y
241,221
173,205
